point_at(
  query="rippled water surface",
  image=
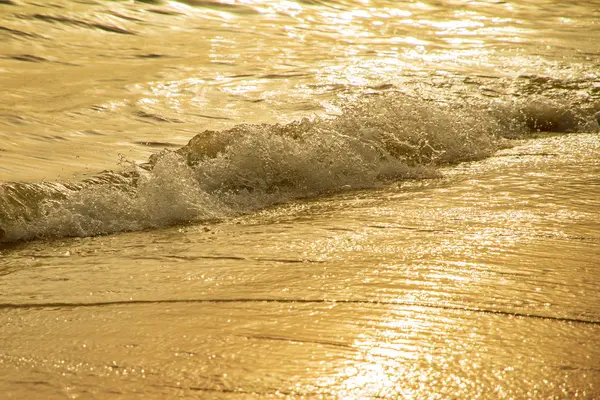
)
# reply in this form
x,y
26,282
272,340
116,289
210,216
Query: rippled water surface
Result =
x,y
136,76
482,284
299,199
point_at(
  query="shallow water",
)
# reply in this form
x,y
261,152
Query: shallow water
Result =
x,y
376,211
484,283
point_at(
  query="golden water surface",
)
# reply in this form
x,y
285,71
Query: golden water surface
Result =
x,y
481,281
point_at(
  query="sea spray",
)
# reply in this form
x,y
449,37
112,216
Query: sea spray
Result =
x,y
220,174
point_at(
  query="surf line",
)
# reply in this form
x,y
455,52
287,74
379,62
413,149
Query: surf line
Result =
x,y
301,301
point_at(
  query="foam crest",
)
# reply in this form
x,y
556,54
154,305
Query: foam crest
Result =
x,y
167,195
226,173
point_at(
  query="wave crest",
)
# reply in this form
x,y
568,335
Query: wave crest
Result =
x,y
219,174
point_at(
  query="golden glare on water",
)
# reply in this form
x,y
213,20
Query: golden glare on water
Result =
x,y
304,199
285,60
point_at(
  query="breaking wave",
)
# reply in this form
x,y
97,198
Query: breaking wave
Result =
x,y
220,174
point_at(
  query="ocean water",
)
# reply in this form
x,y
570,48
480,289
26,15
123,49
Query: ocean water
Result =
x,y
299,199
